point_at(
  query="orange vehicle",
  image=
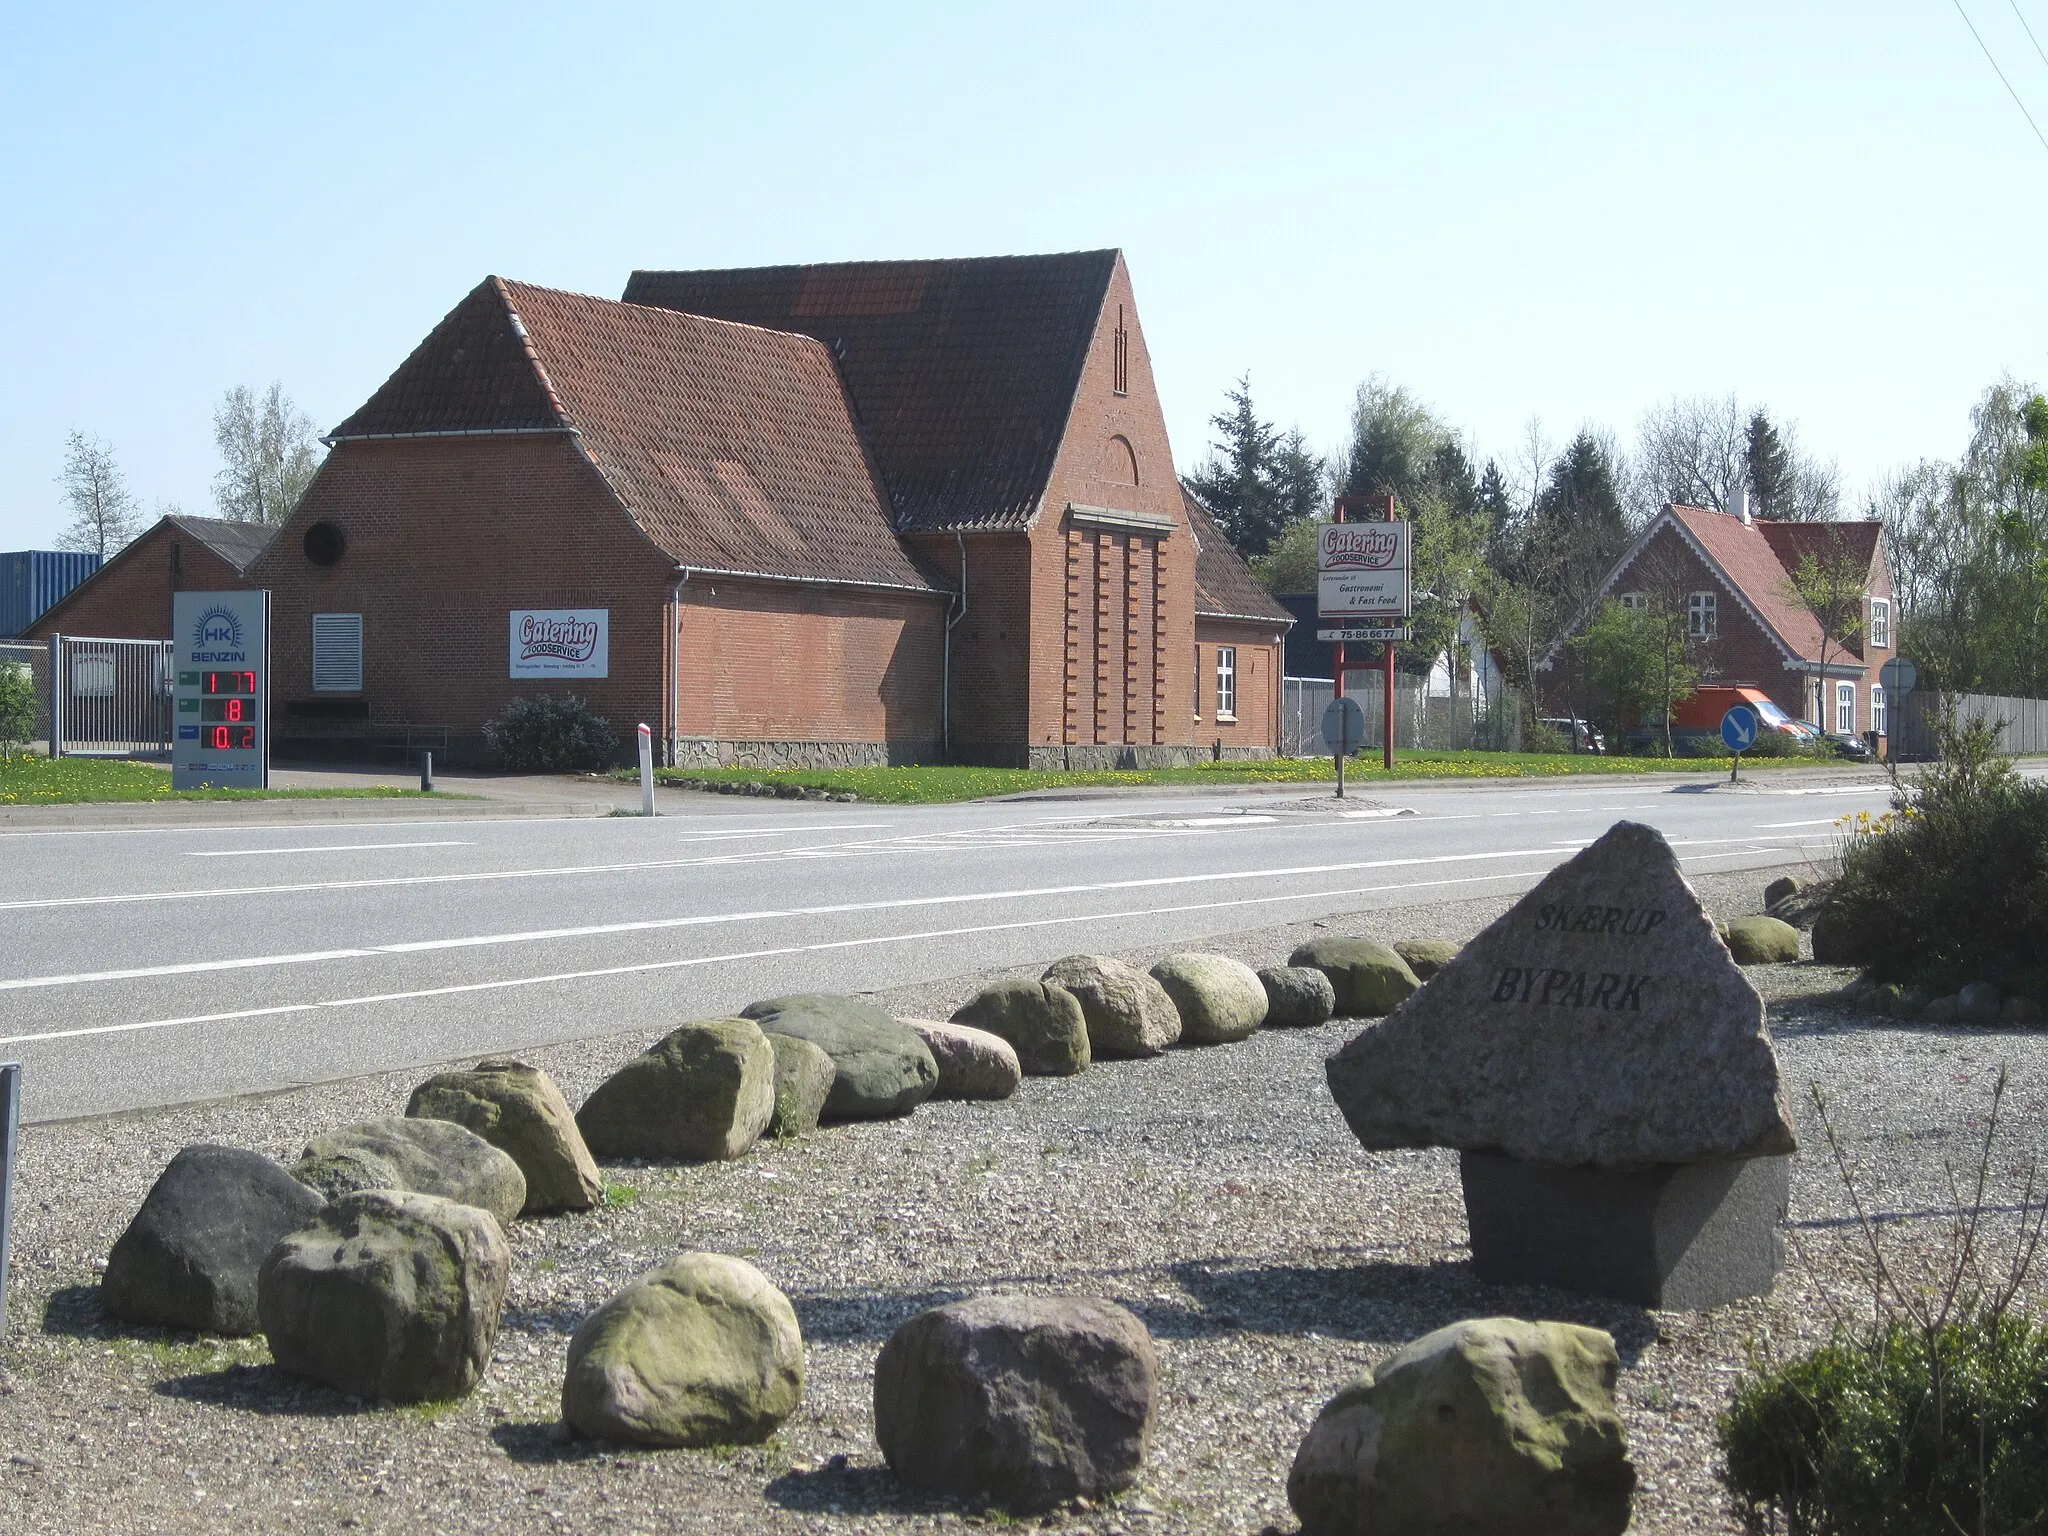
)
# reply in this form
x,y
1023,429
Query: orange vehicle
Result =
x,y
1701,714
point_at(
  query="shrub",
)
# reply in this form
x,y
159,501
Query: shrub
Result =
x,y
1951,885
1542,736
550,733
1783,744
17,707
1931,1415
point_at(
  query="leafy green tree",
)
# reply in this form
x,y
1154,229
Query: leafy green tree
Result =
x,y
1394,442
268,452
103,511
17,707
1635,660
1831,583
1290,565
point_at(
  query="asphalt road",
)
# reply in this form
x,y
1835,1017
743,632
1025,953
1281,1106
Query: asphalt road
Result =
x,y
165,965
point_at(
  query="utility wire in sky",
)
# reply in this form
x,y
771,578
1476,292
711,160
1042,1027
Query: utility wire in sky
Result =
x,y
2015,95
2015,4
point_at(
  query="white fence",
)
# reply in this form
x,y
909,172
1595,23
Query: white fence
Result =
x,y
1421,719
99,697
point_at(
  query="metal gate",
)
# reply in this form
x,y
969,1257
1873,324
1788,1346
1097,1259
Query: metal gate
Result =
x,y
109,698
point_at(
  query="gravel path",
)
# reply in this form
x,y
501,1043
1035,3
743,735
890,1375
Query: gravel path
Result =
x,y
1215,1192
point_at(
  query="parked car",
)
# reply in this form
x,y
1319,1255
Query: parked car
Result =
x,y
1579,733
1854,748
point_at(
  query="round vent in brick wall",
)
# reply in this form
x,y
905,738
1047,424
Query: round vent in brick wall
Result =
x,y
325,544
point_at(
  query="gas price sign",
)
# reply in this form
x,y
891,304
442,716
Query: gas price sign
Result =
x,y
220,690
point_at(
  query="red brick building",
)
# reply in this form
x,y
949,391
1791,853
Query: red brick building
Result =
x,y
879,511
129,598
1734,574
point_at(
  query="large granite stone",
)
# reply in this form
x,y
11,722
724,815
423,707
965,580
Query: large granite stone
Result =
x,y
1128,1013
1370,979
1042,1021
1219,999
803,1082
1489,1427
973,1064
429,1157
189,1258
519,1110
1600,1021
702,1093
880,1069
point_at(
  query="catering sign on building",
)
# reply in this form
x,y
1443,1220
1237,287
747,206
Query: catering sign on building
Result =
x,y
1362,571
561,642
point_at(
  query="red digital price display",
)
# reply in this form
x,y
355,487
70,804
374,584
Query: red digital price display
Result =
x,y
230,738
218,683
227,706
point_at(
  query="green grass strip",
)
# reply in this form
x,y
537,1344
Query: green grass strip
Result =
x,y
78,780
940,784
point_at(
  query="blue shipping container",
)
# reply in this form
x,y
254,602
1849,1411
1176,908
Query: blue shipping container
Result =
x,y
32,580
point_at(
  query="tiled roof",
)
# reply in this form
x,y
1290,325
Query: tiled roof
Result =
x,y
1224,585
731,446
1760,557
235,542
962,372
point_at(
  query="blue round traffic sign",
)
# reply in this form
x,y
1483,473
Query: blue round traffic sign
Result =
x,y
1738,728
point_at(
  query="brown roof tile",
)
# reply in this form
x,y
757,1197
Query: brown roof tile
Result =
x,y
962,372
731,446
1760,557
1224,585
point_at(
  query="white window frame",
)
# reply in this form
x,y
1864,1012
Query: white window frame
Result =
x,y
1880,720
334,636
1702,615
1226,682
1880,623
1635,602
1845,709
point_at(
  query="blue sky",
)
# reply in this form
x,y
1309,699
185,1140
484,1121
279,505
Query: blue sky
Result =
x,y
1563,210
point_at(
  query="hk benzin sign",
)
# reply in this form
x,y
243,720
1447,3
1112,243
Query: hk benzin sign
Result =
x,y
1361,570
561,642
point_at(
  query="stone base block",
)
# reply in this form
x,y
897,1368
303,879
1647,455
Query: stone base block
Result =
x,y
1676,1236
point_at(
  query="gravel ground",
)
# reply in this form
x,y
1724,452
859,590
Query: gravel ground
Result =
x,y
1215,1192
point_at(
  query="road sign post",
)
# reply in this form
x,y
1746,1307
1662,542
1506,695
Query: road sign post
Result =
x,y
1897,677
1738,734
10,1121
1343,729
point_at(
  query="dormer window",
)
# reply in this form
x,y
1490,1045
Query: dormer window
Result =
x,y
1880,623
1120,363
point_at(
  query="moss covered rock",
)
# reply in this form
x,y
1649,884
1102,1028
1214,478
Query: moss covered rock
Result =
x,y
803,1082
1371,979
1128,1013
701,1351
879,1068
1758,940
1219,999
702,1093
1042,1021
1426,957
1493,1425
387,1295
519,1110
429,1157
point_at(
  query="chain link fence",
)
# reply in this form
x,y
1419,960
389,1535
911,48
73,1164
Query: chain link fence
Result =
x,y
1436,722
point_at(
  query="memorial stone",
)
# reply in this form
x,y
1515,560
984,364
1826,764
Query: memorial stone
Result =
x,y
1602,1062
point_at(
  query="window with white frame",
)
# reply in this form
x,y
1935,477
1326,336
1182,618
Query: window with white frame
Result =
x,y
1702,615
1880,622
1878,722
1635,601
337,653
1226,682
1845,709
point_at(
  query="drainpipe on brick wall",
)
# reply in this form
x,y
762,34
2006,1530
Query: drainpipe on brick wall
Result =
x,y
674,652
946,657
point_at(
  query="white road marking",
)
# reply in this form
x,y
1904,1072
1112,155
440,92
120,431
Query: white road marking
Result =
x,y
508,983
251,853
709,919
1768,826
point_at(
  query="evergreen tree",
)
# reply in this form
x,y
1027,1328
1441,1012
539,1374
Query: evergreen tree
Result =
x,y
1237,482
1770,468
1301,481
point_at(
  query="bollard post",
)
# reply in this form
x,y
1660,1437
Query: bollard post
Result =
x,y
426,773
10,1120
646,771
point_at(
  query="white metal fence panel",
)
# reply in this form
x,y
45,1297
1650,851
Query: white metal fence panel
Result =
x,y
107,698
2023,722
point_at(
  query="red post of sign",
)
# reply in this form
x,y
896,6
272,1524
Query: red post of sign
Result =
x,y
1336,692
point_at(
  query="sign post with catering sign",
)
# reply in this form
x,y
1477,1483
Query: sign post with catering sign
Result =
x,y
1362,584
220,690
